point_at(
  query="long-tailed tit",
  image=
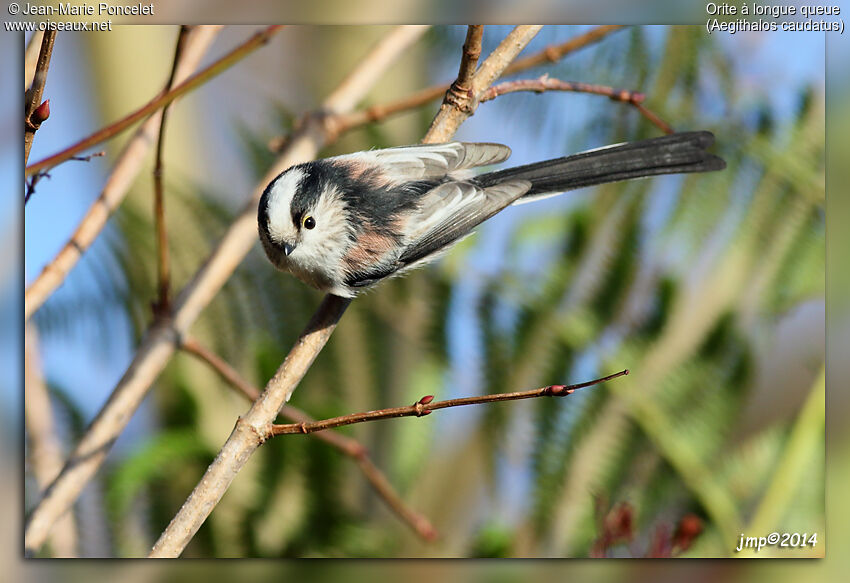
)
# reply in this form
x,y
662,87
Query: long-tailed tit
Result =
x,y
343,224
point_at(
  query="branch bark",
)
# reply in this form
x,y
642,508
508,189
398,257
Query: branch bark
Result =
x,y
346,445
163,99
426,404
35,112
126,168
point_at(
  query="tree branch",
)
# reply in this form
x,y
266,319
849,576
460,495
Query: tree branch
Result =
x,y
161,305
545,83
35,112
346,445
425,405
256,41
126,168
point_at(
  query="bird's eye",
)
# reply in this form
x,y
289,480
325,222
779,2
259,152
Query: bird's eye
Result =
x,y
309,222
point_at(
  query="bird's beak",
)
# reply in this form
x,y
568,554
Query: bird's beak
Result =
x,y
288,248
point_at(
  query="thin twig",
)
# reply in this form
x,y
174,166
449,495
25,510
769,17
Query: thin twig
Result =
x,y
554,53
545,83
339,124
256,41
33,103
127,166
88,157
426,404
161,305
33,180
347,445
654,118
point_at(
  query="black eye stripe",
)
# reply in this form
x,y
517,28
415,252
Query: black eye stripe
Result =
x,y
307,192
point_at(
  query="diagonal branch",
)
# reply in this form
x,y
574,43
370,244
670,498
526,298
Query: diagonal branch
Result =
x,y
249,434
159,342
654,118
35,112
256,41
426,404
220,366
123,173
348,446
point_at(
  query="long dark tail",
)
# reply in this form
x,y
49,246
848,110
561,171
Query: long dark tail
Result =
x,y
672,154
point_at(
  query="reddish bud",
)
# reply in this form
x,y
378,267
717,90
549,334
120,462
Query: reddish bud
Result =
x,y
41,113
617,527
689,528
619,521
426,399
